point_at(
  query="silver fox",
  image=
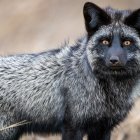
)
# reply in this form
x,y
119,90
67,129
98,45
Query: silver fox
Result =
x,y
87,88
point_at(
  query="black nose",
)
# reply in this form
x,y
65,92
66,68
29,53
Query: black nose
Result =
x,y
114,60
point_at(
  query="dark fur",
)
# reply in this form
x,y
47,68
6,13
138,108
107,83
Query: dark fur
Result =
x,y
76,90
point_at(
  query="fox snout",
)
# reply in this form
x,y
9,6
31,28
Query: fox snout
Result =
x,y
116,57
115,62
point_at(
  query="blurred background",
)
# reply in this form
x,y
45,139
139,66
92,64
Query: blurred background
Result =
x,y
30,26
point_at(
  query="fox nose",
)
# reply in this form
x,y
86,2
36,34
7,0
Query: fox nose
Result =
x,y
114,60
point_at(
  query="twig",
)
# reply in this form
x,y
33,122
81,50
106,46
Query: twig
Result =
x,y
15,125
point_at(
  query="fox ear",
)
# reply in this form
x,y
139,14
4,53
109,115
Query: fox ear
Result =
x,y
94,17
133,20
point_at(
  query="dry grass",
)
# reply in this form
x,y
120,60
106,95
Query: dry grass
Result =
x,y
24,122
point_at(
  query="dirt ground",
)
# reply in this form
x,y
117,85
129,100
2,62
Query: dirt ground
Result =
x,y
31,26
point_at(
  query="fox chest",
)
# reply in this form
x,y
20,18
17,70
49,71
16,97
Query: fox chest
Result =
x,y
97,104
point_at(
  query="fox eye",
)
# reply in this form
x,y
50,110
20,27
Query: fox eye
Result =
x,y
127,43
105,42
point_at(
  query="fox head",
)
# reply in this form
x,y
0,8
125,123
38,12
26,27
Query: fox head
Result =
x,y
113,46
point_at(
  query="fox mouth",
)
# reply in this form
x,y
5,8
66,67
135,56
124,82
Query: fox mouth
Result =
x,y
116,67
131,68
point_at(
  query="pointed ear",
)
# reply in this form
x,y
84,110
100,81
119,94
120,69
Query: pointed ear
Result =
x,y
133,20
94,17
